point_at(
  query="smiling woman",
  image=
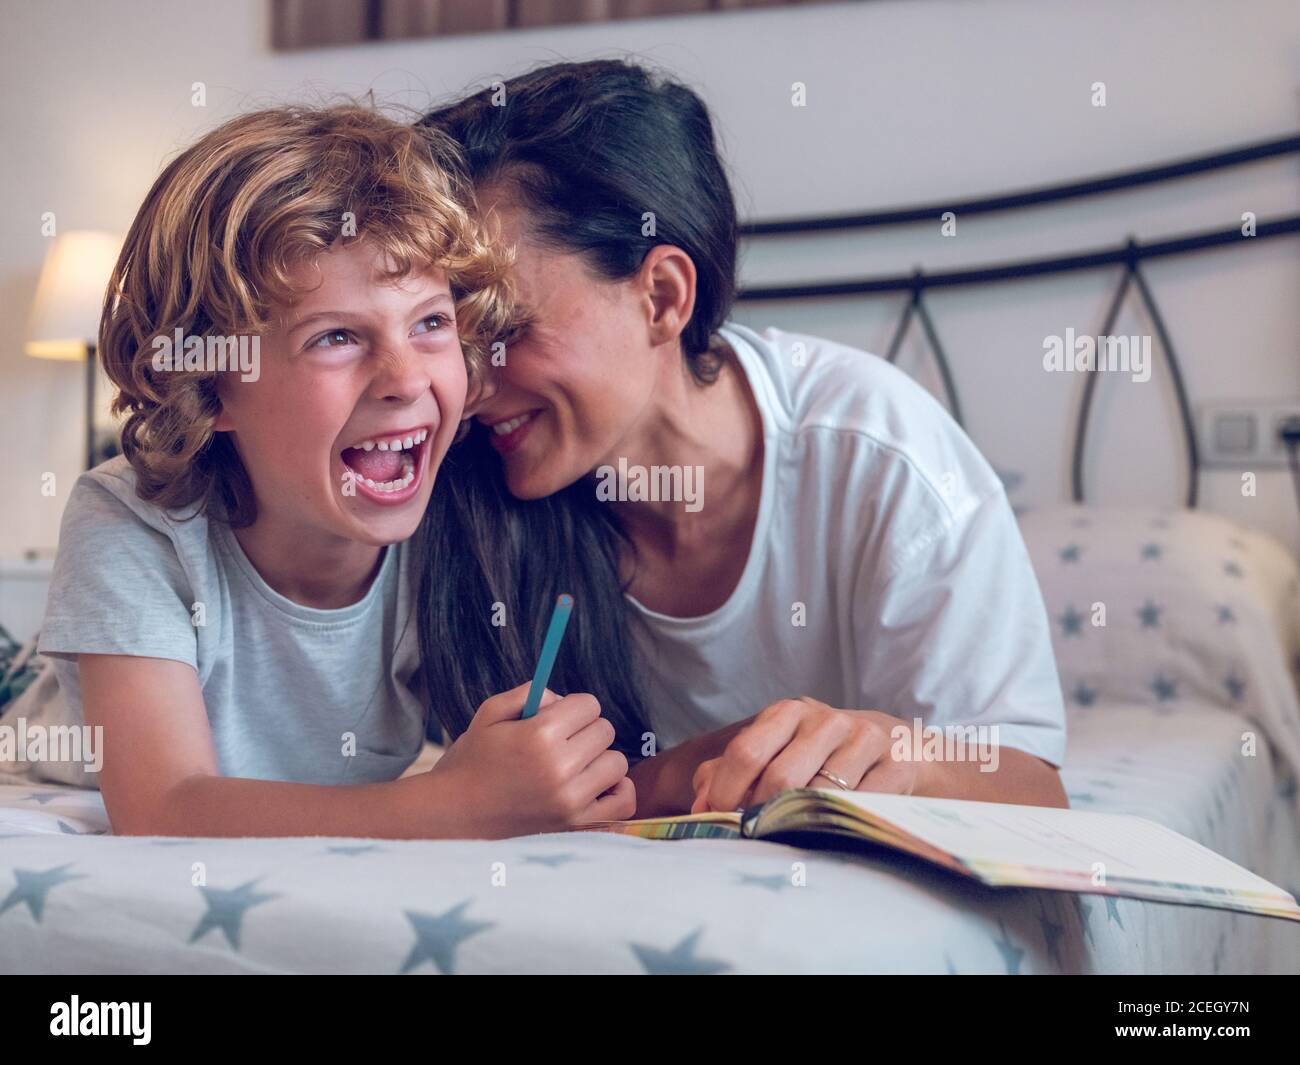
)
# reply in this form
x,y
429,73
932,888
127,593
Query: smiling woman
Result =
x,y
838,583
566,172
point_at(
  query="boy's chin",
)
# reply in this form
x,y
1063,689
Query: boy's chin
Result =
x,y
379,527
390,529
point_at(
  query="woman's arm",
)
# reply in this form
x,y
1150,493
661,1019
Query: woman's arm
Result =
x,y
1019,778
666,784
797,743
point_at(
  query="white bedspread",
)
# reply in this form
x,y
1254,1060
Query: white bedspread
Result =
x,y
75,899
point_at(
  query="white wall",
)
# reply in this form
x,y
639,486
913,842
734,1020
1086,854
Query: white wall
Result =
x,y
908,100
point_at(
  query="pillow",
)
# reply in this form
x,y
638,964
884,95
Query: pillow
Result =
x,y
1168,607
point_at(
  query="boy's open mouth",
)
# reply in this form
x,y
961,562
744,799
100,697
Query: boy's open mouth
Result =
x,y
387,465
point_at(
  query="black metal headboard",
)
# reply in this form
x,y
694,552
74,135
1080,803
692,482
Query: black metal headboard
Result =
x,y
1129,256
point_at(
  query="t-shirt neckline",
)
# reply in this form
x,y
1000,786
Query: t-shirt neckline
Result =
x,y
316,615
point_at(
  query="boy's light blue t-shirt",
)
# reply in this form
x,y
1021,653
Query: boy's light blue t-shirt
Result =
x,y
285,685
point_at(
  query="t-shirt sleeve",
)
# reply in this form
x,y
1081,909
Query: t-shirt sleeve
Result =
x,y
956,633
118,586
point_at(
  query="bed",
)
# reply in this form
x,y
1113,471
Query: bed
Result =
x,y
1182,708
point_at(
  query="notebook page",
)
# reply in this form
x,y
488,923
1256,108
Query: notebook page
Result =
x,y
1065,841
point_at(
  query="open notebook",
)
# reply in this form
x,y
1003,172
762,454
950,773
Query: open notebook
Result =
x,y
1000,844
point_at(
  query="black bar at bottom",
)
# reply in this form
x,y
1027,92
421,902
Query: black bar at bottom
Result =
x,y
967,1013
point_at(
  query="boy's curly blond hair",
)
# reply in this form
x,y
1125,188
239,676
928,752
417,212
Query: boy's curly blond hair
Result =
x,y
217,239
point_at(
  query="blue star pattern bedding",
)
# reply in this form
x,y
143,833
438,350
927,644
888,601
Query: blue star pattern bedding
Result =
x,y
1176,634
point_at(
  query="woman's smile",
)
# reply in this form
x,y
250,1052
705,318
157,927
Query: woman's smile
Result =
x,y
507,434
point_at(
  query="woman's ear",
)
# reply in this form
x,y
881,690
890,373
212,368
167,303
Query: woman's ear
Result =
x,y
668,279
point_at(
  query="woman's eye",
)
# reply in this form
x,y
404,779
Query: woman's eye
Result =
x,y
333,339
432,323
517,328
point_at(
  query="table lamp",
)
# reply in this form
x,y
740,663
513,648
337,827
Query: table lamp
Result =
x,y
64,322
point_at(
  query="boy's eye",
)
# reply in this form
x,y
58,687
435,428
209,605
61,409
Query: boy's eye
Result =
x,y
432,323
334,338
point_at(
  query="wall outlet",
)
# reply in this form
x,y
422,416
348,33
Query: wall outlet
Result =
x,y
1245,434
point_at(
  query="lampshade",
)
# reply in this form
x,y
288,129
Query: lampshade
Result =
x,y
70,294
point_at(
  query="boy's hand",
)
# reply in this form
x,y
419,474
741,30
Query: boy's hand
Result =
x,y
547,774
787,744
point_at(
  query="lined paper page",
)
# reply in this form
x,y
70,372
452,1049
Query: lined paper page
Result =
x,y
1066,841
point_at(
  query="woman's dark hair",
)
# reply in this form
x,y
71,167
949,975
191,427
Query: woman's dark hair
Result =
x,y
610,161
594,152
491,568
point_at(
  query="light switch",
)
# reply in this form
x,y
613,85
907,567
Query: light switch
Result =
x,y
1242,434
1234,434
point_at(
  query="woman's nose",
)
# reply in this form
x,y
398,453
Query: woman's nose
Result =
x,y
483,385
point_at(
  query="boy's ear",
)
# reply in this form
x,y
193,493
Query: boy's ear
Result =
x,y
224,423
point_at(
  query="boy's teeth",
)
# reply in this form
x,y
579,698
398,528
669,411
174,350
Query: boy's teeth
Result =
x,y
501,428
397,443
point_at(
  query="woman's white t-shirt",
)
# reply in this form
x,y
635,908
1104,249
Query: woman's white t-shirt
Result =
x,y
887,571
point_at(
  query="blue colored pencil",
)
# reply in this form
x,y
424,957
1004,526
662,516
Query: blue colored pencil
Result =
x,y
550,648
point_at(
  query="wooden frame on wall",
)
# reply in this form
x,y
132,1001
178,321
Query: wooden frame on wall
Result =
x,y
297,24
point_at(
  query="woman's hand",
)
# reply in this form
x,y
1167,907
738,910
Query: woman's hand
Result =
x,y
552,772
787,744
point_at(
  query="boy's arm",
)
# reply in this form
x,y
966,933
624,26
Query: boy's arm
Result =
x,y
159,772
